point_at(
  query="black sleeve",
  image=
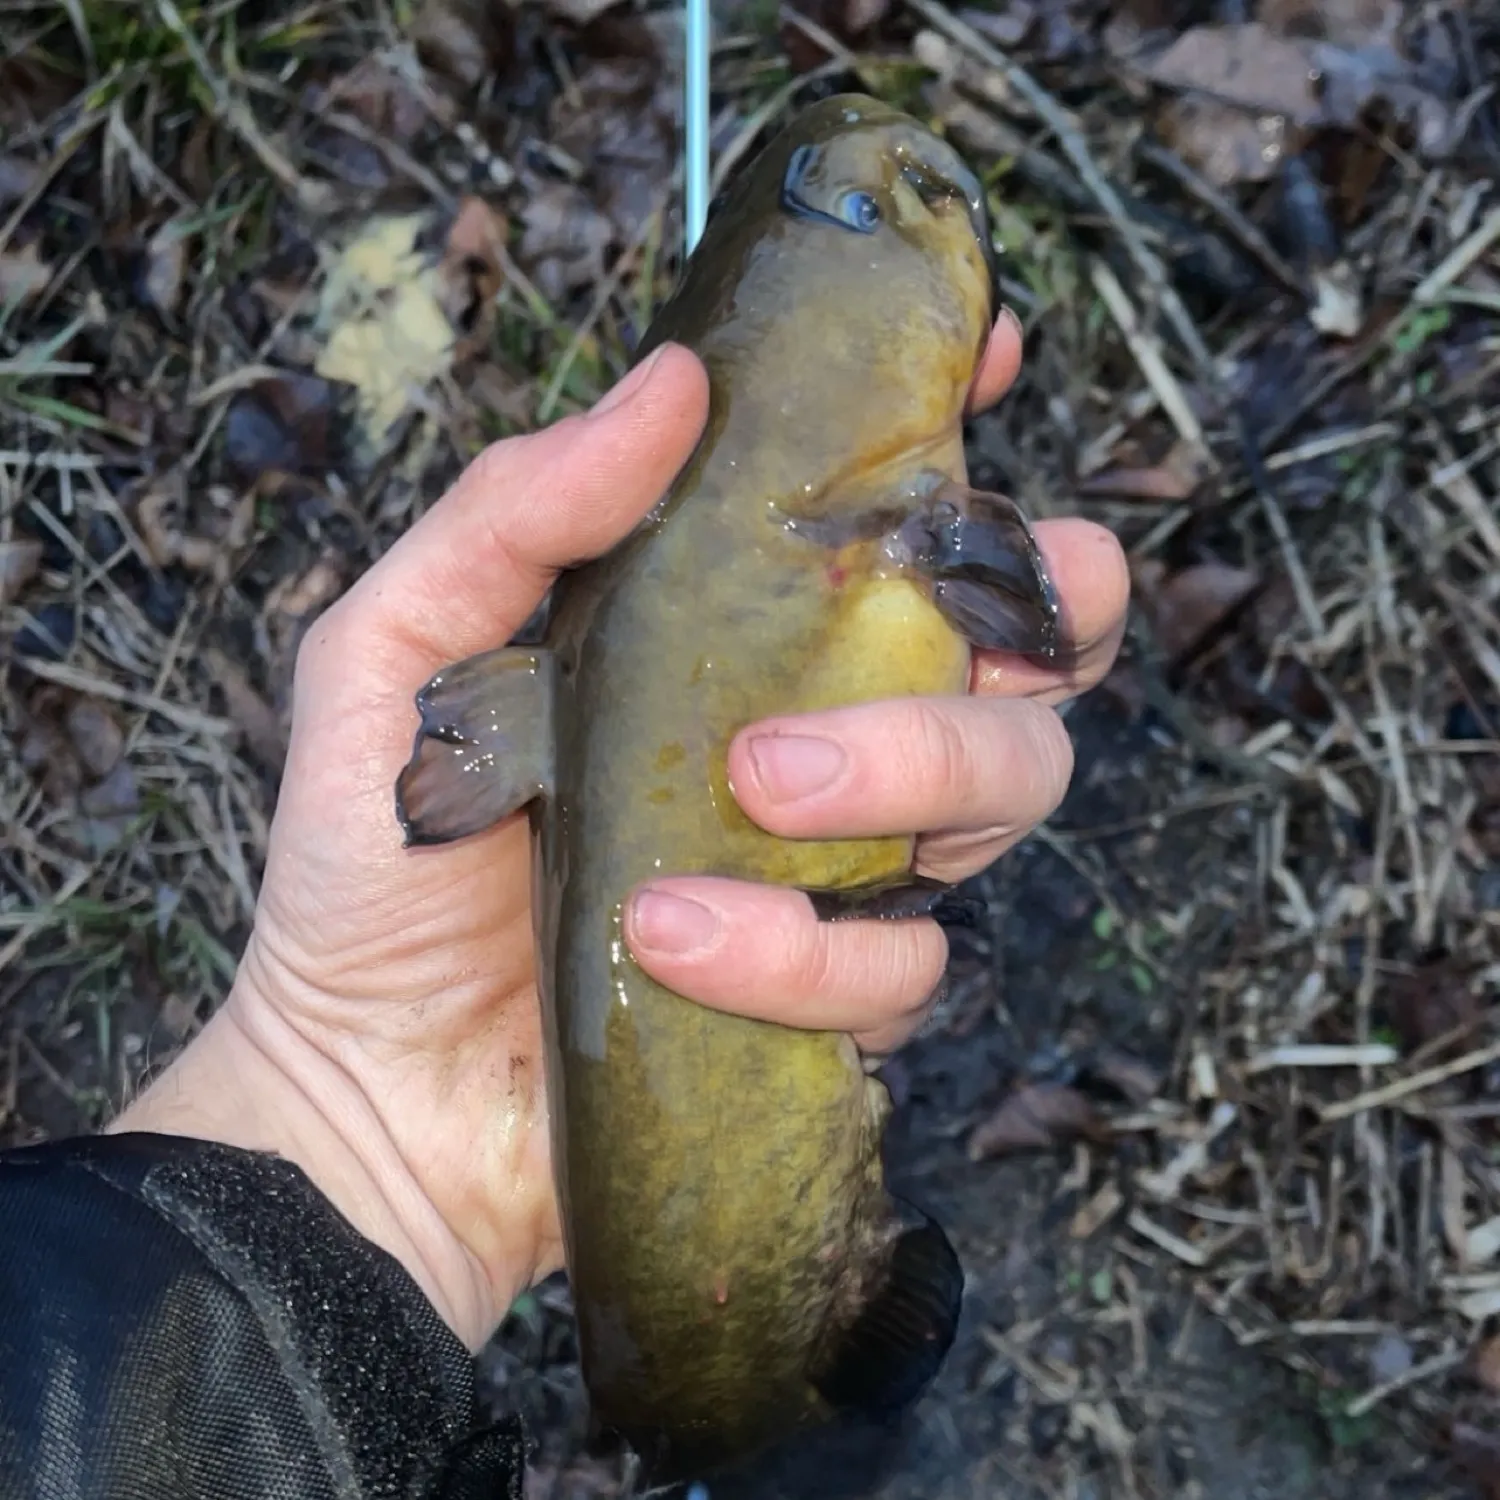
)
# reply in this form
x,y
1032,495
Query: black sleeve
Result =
x,y
184,1321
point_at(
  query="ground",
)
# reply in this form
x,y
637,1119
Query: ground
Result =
x,y
1209,1108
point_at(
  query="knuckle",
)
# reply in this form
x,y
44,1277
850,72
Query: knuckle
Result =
x,y
1047,749
939,749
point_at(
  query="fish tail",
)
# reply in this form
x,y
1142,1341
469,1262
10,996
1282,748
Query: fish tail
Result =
x,y
880,1359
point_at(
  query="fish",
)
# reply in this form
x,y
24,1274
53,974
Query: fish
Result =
x,y
739,1270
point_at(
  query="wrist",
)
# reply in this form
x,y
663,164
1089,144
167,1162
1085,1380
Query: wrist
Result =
x,y
250,1080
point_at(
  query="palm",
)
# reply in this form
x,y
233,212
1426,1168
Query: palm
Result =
x,y
413,968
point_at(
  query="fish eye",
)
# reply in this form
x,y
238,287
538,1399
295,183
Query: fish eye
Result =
x,y
859,211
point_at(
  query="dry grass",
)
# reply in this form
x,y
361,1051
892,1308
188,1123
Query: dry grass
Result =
x,y
1297,446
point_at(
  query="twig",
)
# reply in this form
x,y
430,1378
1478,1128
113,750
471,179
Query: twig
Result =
x,y
1208,195
1051,113
1147,354
1403,1088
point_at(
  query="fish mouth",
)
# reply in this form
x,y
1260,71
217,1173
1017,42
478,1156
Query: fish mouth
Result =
x,y
953,180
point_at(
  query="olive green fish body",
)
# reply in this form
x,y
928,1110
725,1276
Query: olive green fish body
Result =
x,y
738,1269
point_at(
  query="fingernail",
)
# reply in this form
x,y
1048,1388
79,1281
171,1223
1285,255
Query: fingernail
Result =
x,y
1012,317
671,924
629,385
792,766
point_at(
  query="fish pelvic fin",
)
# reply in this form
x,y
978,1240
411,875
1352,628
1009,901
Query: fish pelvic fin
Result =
x,y
988,576
486,746
916,896
881,1360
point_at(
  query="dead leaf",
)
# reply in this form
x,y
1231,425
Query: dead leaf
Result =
x,y
1036,1117
265,731
1248,66
385,329
19,564
23,275
1174,479
471,270
1008,25
378,96
580,12
161,517
468,40
1338,305
1226,144
280,426
564,240
1310,82
1477,1451
97,738
17,177
44,747
108,810
845,21
1349,23
621,123
1186,606
1433,1000
1131,1076
30,91
161,272
298,597
179,1014
1487,1363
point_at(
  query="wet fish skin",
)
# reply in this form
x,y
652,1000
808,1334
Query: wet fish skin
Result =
x,y
739,1270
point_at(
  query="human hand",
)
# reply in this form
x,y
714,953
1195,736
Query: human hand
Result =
x,y
383,1030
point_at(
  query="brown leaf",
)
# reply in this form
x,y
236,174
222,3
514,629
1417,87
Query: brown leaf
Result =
x,y
1036,1117
1249,66
264,730
280,426
23,275
468,40
1477,1450
620,121
379,96
564,240
1132,1076
471,270
45,751
1310,82
96,736
19,562
1184,607
310,592
1432,1001
580,12
1175,478
1487,1363
1350,23
1227,145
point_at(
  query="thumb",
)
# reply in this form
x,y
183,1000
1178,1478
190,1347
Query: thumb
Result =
x,y
468,575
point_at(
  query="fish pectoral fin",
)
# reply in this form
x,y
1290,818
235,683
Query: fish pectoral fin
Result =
x,y
881,1360
918,896
987,573
485,748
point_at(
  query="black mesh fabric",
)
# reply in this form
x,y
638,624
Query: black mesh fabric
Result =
x,y
184,1321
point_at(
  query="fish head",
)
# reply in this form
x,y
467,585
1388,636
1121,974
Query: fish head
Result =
x,y
845,286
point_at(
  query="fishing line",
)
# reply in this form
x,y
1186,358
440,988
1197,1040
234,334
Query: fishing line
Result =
x,y
695,122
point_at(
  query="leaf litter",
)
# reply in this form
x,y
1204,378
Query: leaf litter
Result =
x,y
1213,1109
